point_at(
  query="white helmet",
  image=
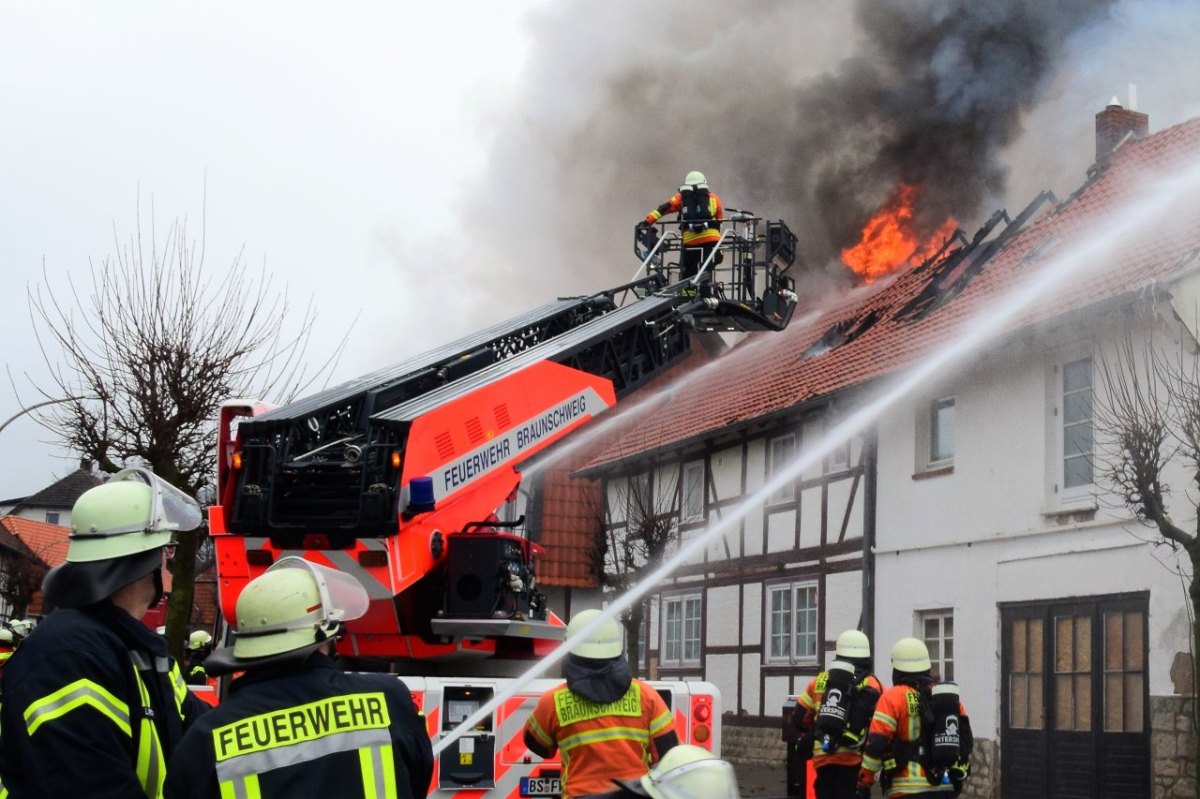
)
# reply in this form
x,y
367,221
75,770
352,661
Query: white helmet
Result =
x,y
604,643
695,178
20,627
6,636
287,612
117,532
911,656
199,639
691,772
853,644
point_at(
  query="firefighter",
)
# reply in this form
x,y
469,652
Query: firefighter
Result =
x,y
93,706
21,628
685,772
700,214
7,646
294,723
834,712
199,646
911,730
606,724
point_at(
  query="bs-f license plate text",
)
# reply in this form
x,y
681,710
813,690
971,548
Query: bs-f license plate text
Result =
x,y
540,786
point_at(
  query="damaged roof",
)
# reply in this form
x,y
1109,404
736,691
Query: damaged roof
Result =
x,y
879,330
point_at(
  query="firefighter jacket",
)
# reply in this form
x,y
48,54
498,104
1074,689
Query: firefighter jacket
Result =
x,y
605,724
693,238
92,707
893,745
306,729
849,747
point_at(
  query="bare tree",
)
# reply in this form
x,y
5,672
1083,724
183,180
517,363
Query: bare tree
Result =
x,y
622,554
149,350
1148,418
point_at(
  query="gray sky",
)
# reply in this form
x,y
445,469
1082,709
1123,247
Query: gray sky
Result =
x,y
436,167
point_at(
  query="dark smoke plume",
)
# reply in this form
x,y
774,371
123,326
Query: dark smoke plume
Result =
x,y
811,112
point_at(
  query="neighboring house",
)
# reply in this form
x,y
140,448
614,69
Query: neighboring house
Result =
x,y
968,514
54,502
27,549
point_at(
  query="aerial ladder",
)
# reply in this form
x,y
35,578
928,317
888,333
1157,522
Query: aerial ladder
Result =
x,y
399,476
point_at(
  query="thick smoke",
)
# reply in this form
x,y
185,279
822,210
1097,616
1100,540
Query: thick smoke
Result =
x,y
805,111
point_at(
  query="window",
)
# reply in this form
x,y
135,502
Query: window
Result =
x,y
941,432
1124,671
1077,423
782,453
937,631
639,503
681,630
52,517
792,623
693,491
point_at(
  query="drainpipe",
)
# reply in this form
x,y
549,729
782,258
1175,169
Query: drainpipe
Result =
x,y
870,486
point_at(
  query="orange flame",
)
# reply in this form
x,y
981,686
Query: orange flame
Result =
x,y
890,241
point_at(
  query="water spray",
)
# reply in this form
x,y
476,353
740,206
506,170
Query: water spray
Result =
x,y
1159,199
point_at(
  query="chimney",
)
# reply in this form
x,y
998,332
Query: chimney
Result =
x,y
85,464
1114,124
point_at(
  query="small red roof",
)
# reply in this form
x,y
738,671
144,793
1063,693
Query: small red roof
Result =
x,y
46,542
774,372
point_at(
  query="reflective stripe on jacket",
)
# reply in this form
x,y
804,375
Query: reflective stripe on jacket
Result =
x,y
92,707
692,238
898,719
306,730
600,742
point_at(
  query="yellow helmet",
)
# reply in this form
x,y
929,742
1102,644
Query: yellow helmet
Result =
x,y
117,531
911,656
199,639
604,643
691,772
853,644
288,611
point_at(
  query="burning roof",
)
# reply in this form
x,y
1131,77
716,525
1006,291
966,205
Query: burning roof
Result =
x,y
882,328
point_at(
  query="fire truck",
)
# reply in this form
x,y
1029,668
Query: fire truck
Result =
x,y
407,477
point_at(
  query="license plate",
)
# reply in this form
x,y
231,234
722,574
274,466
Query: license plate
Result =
x,y
540,786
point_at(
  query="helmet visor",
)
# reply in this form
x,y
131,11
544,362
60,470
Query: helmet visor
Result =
x,y
342,596
171,509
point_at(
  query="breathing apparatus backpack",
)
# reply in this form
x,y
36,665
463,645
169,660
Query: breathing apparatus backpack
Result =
x,y
946,735
847,704
693,210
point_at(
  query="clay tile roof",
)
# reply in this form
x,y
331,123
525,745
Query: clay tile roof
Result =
x,y
46,542
64,492
774,372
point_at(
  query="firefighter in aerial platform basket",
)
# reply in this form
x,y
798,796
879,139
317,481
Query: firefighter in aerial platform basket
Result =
x,y
93,706
700,215
834,712
295,724
920,738
606,724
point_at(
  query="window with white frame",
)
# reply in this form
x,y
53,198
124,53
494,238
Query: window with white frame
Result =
x,y
693,491
782,452
681,623
936,628
1076,415
941,431
792,622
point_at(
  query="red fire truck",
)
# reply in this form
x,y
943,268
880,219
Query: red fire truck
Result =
x,y
400,476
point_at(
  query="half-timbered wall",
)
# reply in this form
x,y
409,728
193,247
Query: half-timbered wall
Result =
x,y
792,564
